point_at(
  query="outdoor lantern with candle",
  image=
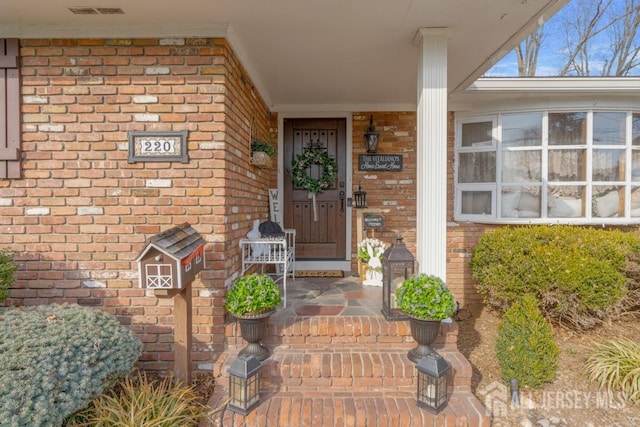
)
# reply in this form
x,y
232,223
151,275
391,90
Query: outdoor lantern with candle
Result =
x,y
360,198
244,384
432,382
397,266
371,137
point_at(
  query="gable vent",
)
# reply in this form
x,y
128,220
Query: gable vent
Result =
x,y
96,10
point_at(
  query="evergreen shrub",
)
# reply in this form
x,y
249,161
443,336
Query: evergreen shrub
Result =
x,y
525,347
55,359
577,273
7,273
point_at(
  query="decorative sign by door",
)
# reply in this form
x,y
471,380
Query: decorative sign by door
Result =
x,y
373,221
380,162
274,205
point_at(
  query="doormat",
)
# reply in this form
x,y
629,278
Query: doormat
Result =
x,y
319,273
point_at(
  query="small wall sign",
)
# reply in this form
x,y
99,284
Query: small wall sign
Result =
x,y
157,146
373,221
380,162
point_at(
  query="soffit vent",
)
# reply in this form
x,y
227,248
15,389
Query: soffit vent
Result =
x,y
96,10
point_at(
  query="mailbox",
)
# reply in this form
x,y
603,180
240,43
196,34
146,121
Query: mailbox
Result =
x,y
171,259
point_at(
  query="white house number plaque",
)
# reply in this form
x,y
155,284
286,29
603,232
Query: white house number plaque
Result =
x,y
157,146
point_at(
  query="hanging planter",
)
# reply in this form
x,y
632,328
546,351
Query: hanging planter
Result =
x,y
261,154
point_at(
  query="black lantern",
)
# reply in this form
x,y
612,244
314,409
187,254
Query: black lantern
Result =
x,y
244,384
360,198
397,266
432,382
371,137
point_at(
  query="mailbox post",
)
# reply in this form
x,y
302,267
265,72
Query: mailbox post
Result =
x,y
168,263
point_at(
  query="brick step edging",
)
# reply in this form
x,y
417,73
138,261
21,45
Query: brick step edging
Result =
x,y
317,409
341,370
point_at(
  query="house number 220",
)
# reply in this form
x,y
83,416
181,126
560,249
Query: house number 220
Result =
x,y
160,146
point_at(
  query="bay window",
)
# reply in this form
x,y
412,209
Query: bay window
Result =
x,y
549,166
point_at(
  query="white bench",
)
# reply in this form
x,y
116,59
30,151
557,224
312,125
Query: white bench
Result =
x,y
279,251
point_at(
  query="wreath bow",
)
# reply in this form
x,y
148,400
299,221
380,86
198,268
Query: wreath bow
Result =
x,y
314,156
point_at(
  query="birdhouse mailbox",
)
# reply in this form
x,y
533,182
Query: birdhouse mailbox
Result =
x,y
171,259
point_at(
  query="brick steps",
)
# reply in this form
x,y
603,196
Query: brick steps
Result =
x,y
340,370
366,410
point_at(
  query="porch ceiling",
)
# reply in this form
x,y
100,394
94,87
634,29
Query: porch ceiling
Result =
x,y
309,54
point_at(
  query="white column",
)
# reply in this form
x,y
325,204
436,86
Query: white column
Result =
x,y
431,231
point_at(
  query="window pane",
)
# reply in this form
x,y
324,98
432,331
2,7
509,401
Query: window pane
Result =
x,y
567,128
519,130
607,201
566,165
477,134
476,202
522,166
519,202
565,201
477,167
607,165
609,128
635,165
635,201
635,129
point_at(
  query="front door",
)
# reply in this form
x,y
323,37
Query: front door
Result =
x,y
321,234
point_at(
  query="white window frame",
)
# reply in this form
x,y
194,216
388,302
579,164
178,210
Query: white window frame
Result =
x,y
496,188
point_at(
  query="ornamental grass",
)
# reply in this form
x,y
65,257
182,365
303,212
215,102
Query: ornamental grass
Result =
x,y
140,402
615,365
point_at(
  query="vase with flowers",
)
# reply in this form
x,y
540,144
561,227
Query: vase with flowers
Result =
x,y
370,252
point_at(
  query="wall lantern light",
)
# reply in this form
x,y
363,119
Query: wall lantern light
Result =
x,y
244,384
360,198
371,137
397,266
432,382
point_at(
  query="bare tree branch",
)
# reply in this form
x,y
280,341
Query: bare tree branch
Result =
x,y
527,53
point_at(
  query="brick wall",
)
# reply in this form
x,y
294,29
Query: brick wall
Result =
x,y
81,213
392,191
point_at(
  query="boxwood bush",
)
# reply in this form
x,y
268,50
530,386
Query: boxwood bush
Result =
x,y
578,274
55,359
525,348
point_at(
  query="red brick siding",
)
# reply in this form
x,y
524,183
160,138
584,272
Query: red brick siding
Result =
x,y
395,191
81,213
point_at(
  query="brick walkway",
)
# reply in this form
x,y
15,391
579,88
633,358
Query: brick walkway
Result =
x,y
349,368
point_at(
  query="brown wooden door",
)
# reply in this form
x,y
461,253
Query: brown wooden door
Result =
x,y
324,238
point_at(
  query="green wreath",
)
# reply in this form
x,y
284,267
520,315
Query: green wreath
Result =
x,y
314,156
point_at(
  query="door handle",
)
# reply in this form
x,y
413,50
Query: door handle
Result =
x,y
341,197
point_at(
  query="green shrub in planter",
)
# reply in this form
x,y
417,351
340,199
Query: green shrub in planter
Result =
x,y
254,293
425,297
525,347
577,273
615,366
7,273
55,359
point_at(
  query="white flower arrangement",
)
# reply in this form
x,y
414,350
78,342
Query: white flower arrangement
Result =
x,y
371,251
371,248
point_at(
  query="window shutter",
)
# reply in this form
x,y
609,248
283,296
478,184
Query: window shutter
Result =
x,y
9,109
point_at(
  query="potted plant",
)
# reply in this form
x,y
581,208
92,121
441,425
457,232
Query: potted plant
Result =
x,y
427,301
370,252
252,299
261,153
